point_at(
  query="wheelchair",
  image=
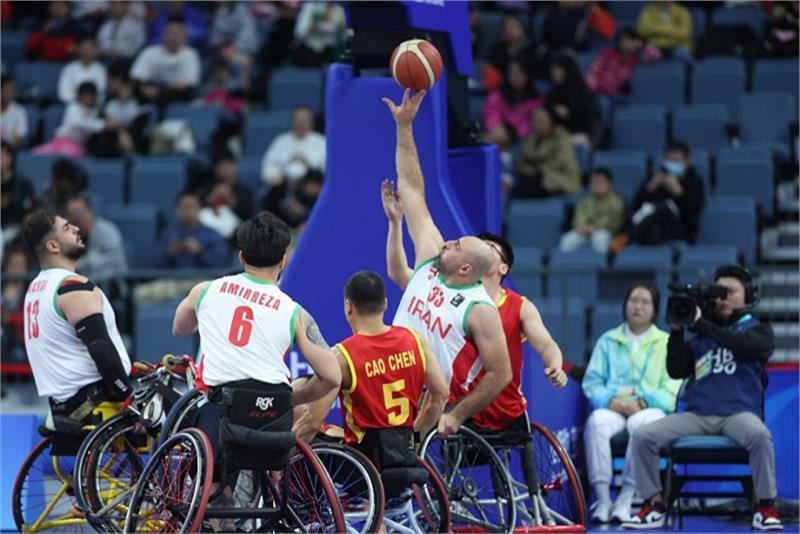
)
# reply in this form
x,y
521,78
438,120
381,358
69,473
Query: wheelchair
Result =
x,y
502,481
267,480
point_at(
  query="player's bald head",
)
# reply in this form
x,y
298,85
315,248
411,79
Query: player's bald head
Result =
x,y
468,257
478,254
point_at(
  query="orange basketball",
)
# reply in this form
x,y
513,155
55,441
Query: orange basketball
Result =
x,y
416,64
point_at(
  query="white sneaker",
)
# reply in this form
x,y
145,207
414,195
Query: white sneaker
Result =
x,y
766,518
621,512
648,517
602,512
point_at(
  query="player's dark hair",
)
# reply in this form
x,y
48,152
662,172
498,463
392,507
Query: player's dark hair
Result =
x,y
367,292
263,240
506,250
38,227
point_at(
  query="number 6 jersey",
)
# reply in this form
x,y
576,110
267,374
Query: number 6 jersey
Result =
x,y
246,328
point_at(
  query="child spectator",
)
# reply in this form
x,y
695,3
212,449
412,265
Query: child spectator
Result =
x,y
598,217
611,72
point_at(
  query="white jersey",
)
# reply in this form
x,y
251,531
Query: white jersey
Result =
x,y
439,311
60,362
246,329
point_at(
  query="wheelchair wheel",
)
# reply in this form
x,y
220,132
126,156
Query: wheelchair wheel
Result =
x,y
425,509
172,493
559,484
108,464
357,484
311,501
181,415
479,488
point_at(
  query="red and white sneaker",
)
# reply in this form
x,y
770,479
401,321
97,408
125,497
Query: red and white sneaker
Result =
x,y
650,516
766,518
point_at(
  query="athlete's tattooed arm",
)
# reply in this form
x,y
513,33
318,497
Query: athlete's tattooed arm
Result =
x,y
312,330
320,357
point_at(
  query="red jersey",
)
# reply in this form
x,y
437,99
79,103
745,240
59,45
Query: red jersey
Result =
x,y
510,403
387,374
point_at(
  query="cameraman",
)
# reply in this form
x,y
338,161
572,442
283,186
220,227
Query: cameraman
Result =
x,y
724,394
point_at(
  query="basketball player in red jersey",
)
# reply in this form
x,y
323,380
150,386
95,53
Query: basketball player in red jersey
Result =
x,y
384,369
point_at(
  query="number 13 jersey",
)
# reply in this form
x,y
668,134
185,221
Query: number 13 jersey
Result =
x,y
246,329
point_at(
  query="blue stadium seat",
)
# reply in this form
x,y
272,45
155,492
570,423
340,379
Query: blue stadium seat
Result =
x,y
35,167
106,178
565,319
158,180
202,120
701,126
574,274
662,83
699,159
752,16
290,87
13,48
34,125
628,167
643,261
51,120
584,156
699,23
37,79
138,223
261,128
776,75
730,221
642,127
698,262
154,333
766,117
476,108
719,80
536,223
749,172
527,273
605,316
491,23
248,171
626,10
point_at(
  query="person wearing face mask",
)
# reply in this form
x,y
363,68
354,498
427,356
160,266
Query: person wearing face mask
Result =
x,y
668,205
724,395
627,385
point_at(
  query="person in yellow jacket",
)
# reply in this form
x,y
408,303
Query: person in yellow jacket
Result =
x,y
628,387
667,25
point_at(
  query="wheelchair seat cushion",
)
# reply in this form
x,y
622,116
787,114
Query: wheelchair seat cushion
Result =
x,y
397,479
389,447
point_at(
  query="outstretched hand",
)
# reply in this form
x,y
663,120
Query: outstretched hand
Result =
x,y
404,113
391,202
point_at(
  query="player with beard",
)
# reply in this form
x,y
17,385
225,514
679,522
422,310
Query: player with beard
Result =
x,y
445,299
74,348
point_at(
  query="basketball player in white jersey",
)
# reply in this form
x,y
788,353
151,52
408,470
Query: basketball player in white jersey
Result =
x,y
247,324
74,348
445,299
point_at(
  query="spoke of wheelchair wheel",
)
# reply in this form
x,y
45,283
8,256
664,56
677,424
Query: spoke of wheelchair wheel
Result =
x,y
50,505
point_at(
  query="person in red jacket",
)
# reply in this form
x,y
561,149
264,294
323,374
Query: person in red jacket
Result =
x,y
56,40
613,68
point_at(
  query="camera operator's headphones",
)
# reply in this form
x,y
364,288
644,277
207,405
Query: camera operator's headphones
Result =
x,y
751,296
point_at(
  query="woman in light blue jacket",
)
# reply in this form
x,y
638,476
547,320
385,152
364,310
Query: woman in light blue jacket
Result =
x,y
627,385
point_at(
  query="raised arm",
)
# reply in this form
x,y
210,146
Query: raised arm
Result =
x,y
396,260
428,241
320,357
487,332
436,397
540,339
185,322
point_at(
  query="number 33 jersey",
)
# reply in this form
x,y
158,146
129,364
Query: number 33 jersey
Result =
x,y
246,329
387,373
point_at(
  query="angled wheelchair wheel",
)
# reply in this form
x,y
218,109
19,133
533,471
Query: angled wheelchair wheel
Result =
x,y
311,501
182,414
478,486
110,461
423,508
43,497
172,493
357,484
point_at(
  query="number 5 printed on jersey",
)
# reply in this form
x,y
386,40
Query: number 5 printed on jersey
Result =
x,y
390,401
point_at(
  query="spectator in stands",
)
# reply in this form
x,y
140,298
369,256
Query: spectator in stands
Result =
x,y
13,120
667,25
292,154
279,18
570,102
84,69
782,32
668,205
105,251
293,202
228,202
123,109
724,367
122,35
547,165
234,36
18,196
16,263
195,21
55,41
598,217
628,387
66,181
513,44
319,33
188,244
170,71
507,111
565,26
611,72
